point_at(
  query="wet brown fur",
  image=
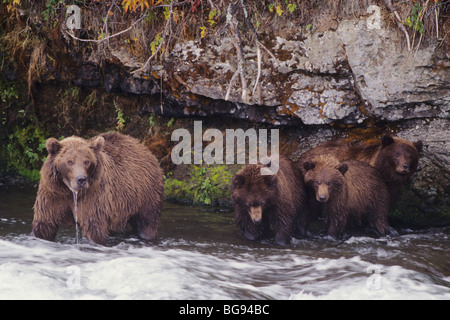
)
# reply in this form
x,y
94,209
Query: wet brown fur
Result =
x,y
124,184
278,199
345,193
395,159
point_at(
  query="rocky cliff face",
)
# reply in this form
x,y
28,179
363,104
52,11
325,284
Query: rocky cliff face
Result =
x,y
360,73
354,79
348,75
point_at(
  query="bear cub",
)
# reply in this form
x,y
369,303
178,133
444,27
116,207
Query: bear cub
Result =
x,y
395,159
264,203
349,193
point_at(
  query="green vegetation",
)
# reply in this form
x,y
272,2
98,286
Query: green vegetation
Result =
x,y
414,21
205,185
151,120
22,139
25,151
155,43
50,8
8,93
121,120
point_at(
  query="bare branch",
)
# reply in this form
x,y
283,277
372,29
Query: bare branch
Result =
x,y
237,41
169,19
105,25
211,4
232,26
258,54
398,21
270,53
130,27
233,79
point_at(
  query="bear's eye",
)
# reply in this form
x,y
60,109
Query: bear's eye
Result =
x,y
87,163
70,163
329,183
397,154
317,182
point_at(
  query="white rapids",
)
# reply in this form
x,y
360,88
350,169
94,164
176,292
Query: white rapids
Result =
x,y
177,269
200,254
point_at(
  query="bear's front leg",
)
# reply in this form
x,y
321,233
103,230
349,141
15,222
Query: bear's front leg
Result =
x,y
249,229
283,237
95,232
283,224
251,232
44,230
48,216
335,227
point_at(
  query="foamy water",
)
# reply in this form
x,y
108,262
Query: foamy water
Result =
x,y
36,269
201,255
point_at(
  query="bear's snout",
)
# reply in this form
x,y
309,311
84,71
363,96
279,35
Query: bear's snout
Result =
x,y
403,168
81,181
256,214
77,183
322,193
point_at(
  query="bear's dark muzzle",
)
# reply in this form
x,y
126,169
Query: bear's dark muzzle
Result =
x,y
81,182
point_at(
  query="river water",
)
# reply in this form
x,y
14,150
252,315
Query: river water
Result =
x,y
200,254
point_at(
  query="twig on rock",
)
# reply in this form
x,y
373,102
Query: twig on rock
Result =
x,y
398,21
233,79
130,27
232,26
237,41
258,54
145,66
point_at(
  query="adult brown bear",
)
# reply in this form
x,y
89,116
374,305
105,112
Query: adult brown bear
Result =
x,y
347,193
268,202
117,180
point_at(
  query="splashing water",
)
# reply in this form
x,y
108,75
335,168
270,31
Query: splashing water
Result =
x,y
200,254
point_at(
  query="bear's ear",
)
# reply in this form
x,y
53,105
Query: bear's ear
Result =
x,y
386,140
418,145
343,168
238,181
308,165
53,146
97,143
